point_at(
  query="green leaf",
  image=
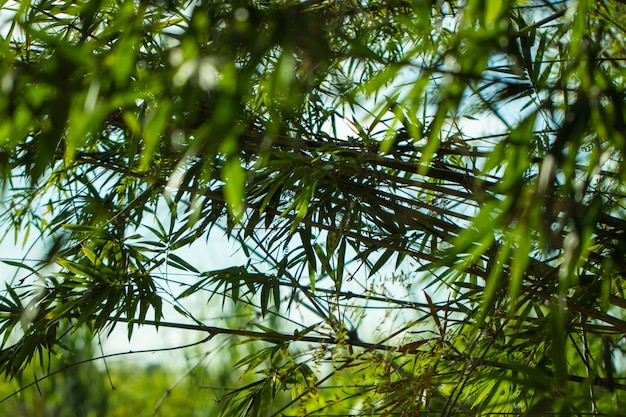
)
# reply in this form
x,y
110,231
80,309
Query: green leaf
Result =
x,y
153,128
180,263
558,347
382,261
234,178
519,263
306,238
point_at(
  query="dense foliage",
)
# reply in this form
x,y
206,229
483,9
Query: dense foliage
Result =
x,y
428,195
76,386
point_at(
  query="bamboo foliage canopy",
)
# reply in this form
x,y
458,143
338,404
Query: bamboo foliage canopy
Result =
x,y
428,194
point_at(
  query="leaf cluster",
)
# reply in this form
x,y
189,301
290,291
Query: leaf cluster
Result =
x,y
353,151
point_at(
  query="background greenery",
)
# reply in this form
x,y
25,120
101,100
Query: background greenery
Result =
x,y
427,195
